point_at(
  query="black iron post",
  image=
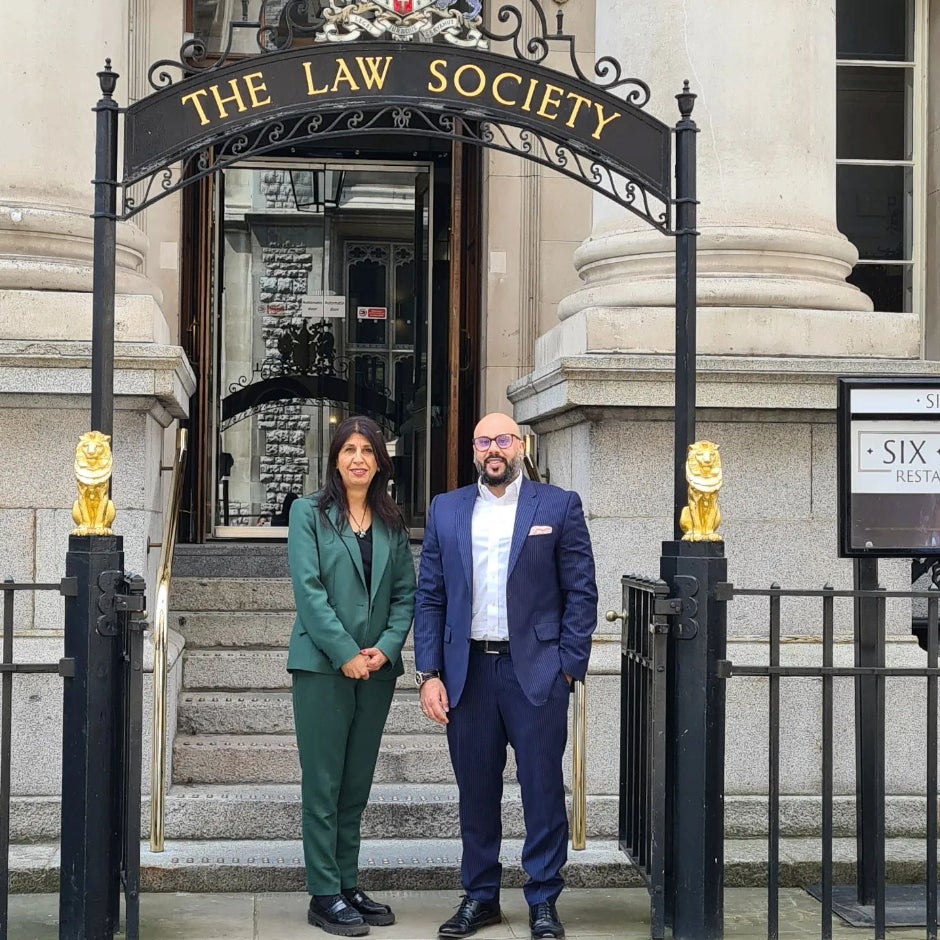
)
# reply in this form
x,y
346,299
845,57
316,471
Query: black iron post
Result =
x,y
89,865
105,241
869,733
6,734
128,739
686,272
696,721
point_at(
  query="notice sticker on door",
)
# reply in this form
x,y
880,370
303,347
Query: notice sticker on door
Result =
x,y
372,313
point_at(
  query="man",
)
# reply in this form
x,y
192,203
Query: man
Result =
x,y
504,614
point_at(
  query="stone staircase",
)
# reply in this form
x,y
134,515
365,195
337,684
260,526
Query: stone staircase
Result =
x,y
233,809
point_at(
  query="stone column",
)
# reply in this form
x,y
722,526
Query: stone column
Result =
x,y
777,325
50,60
772,264
45,181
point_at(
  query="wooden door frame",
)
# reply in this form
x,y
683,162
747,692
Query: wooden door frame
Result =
x,y
466,291
201,280
197,303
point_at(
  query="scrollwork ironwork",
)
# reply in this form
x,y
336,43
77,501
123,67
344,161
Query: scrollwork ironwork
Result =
x,y
535,46
601,175
283,26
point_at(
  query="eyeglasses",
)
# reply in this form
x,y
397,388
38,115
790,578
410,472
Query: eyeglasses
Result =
x,y
502,441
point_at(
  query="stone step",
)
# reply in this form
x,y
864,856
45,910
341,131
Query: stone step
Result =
x,y
235,669
259,811
272,758
225,594
243,669
208,629
403,810
259,712
215,811
424,864
228,559
272,865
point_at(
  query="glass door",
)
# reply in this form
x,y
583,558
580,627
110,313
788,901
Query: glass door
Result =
x,y
324,314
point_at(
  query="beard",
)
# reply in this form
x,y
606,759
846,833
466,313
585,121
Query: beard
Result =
x,y
510,471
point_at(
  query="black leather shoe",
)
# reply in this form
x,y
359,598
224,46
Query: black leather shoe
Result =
x,y
470,917
334,914
544,922
379,915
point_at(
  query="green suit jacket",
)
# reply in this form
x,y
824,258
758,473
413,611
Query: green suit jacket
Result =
x,y
336,616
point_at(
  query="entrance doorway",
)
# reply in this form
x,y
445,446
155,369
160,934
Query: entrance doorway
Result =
x,y
333,294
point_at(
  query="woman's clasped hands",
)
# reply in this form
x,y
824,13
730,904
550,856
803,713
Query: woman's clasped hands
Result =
x,y
364,662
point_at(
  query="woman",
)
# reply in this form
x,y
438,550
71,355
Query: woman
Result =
x,y
354,585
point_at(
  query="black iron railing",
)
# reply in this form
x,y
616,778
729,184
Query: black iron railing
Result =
x,y
67,587
870,897
642,830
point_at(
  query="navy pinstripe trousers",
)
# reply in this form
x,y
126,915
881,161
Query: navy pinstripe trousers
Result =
x,y
493,711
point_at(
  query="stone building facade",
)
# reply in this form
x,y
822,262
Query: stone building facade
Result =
x,y
577,329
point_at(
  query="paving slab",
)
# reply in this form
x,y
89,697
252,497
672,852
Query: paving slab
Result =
x,y
588,914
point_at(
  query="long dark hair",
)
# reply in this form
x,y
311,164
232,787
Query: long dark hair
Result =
x,y
333,492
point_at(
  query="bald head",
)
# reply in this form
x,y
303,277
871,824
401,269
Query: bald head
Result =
x,y
496,423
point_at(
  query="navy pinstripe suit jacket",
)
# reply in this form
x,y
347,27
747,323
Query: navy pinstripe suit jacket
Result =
x,y
551,594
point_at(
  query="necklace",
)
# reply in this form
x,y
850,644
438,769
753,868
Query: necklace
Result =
x,y
359,526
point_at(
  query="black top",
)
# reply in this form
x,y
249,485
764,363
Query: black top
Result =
x,y
365,548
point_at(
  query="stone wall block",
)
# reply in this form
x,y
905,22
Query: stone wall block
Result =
x,y
18,560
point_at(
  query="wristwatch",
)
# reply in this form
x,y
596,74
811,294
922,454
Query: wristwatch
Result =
x,y
422,677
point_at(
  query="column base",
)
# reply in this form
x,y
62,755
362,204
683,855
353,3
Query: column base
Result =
x,y
51,248
738,265
761,291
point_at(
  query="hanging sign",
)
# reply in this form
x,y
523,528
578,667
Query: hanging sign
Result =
x,y
326,81
889,466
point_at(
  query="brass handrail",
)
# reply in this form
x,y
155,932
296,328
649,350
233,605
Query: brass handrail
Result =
x,y
161,608
578,726
579,767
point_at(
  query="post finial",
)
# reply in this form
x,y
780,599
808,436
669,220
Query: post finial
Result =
x,y
93,511
686,99
107,79
701,517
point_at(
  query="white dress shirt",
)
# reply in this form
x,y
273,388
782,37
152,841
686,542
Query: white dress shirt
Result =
x,y
493,521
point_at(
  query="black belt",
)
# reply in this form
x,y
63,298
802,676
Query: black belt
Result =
x,y
490,646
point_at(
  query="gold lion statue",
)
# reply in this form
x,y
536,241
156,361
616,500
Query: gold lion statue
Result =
x,y
93,511
701,518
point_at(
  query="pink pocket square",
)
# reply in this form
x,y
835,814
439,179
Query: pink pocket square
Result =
x,y
540,530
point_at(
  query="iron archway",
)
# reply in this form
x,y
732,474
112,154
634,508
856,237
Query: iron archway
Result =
x,y
400,67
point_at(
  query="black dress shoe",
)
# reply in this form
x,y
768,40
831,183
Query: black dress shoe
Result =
x,y
544,922
470,917
379,915
334,914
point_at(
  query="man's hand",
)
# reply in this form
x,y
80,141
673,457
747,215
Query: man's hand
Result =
x,y
356,668
434,701
375,657
570,680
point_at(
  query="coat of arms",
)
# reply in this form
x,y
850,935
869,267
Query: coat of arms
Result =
x,y
405,20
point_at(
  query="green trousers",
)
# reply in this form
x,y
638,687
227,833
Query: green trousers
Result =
x,y
339,724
